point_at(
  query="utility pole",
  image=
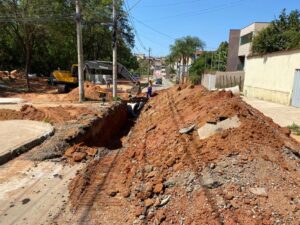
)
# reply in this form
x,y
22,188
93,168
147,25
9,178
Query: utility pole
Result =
x,y
149,65
114,45
79,52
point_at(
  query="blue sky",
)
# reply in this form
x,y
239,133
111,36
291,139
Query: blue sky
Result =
x,y
159,22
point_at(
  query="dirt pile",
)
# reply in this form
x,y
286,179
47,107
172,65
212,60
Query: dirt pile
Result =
x,y
91,92
57,114
244,175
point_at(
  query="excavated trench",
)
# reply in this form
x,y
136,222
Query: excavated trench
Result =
x,y
112,127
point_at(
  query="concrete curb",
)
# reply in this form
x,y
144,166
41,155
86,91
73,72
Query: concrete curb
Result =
x,y
11,154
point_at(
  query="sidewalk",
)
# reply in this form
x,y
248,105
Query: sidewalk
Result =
x,y
281,114
18,136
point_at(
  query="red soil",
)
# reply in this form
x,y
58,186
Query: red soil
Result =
x,y
160,177
57,114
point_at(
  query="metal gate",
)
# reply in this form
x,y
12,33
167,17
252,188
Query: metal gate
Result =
x,y
296,90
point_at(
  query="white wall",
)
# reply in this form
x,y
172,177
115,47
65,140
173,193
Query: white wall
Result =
x,y
271,77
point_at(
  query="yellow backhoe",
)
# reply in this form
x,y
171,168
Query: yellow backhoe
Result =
x,y
65,80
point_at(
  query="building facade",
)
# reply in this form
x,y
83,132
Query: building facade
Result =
x,y
240,44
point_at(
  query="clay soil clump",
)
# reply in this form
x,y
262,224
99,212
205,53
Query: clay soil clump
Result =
x,y
244,175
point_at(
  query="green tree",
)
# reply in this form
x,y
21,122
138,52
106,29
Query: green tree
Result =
x,y
40,35
282,34
184,48
209,62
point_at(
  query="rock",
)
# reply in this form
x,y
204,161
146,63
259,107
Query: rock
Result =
x,y
259,191
209,182
113,193
142,217
234,204
139,211
165,200
126,192
212,166
157,202
169,183
25,201
79,156
171,162
91,151
152,174
228,196
158,188
69,152
160,216
177,166
149,202
146,191
149,168
149,187
187,130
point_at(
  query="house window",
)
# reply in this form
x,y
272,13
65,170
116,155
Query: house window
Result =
x,y
246,38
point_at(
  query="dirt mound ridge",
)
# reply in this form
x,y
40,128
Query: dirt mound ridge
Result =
x,y
57,114
245,175
91,92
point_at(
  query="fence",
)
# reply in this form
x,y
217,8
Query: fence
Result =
x,y
223,80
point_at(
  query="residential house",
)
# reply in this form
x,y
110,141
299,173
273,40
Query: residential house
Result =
x,y
239,47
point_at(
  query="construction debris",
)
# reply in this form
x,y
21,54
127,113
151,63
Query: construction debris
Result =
x,y
162,176
210,129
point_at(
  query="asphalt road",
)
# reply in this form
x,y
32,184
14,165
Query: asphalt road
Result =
x,y
158,87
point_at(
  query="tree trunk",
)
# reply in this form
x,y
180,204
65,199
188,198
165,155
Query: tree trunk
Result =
x,y
28,64
183,69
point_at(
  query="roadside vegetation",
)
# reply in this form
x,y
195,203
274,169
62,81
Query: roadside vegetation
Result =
x,y
295,129
40,36
183,49
283,34
209,62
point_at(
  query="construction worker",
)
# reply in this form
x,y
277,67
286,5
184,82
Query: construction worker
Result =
x,y
149,89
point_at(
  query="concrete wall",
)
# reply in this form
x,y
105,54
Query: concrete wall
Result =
x,y
271,77
223,80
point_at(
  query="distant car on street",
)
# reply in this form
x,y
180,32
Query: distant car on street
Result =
x,y
158,81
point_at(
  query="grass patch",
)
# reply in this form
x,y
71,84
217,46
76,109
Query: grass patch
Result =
x,y
295,129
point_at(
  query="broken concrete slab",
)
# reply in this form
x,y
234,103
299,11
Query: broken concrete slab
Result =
x,y
11,100
18,136
209,129
187,129
259,191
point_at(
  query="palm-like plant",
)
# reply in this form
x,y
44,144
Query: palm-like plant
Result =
x,y
184,48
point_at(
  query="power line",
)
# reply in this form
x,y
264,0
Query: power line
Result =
x,y
203,11
134,5
134,30
153,29
173,4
